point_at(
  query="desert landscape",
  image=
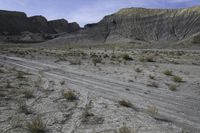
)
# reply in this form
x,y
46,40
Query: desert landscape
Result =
x,y
115,76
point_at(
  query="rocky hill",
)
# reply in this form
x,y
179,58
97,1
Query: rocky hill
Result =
x,y
139,25
13,24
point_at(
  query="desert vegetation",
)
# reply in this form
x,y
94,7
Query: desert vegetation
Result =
x,y
85,85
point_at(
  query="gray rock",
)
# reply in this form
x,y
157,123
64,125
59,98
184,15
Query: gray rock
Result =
x,y
13,24
139,24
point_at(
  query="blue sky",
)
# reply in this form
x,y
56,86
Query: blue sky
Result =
x,y
86,11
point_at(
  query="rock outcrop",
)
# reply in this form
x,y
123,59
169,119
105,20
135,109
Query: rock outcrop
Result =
x,y
62,25
12,24
139,24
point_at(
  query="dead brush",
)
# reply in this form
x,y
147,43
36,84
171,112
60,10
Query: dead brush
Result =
x,y
1,70
28,93
177,79
125,103
69,95
173,87
126,57
22,106
168,72
8,84
36,125
138,70
147,58
21,74
152,109
96,60
152,77
153,84
125,129
75,62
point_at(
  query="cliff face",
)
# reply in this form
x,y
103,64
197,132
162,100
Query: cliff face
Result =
x,y
62,25
139,24
14,23
153,24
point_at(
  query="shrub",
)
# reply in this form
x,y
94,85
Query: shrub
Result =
x,y
125,103
126,57
168,72
177,79
153,84
36,126
69,95
96,60
20,74
138,70
196,39
125,130
8,85
149,58
75,62
23,107
28,93
152,109
151,77
1,71
62,82
172,87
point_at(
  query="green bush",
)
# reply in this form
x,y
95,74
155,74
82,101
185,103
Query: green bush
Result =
x,y
177,79
36,126
69,95
168,72
126,57
196,39
96,60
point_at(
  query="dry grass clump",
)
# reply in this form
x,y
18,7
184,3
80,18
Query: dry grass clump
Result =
x,y
168,72
38,82
177,79
75,62
24,108
69,95
152,109
153,84
125,103
152,77
62,82
173,87
196,39
138,70
125,129
1,70
126,57
149,58
8,84
96,60
21,74
36,126
28,93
